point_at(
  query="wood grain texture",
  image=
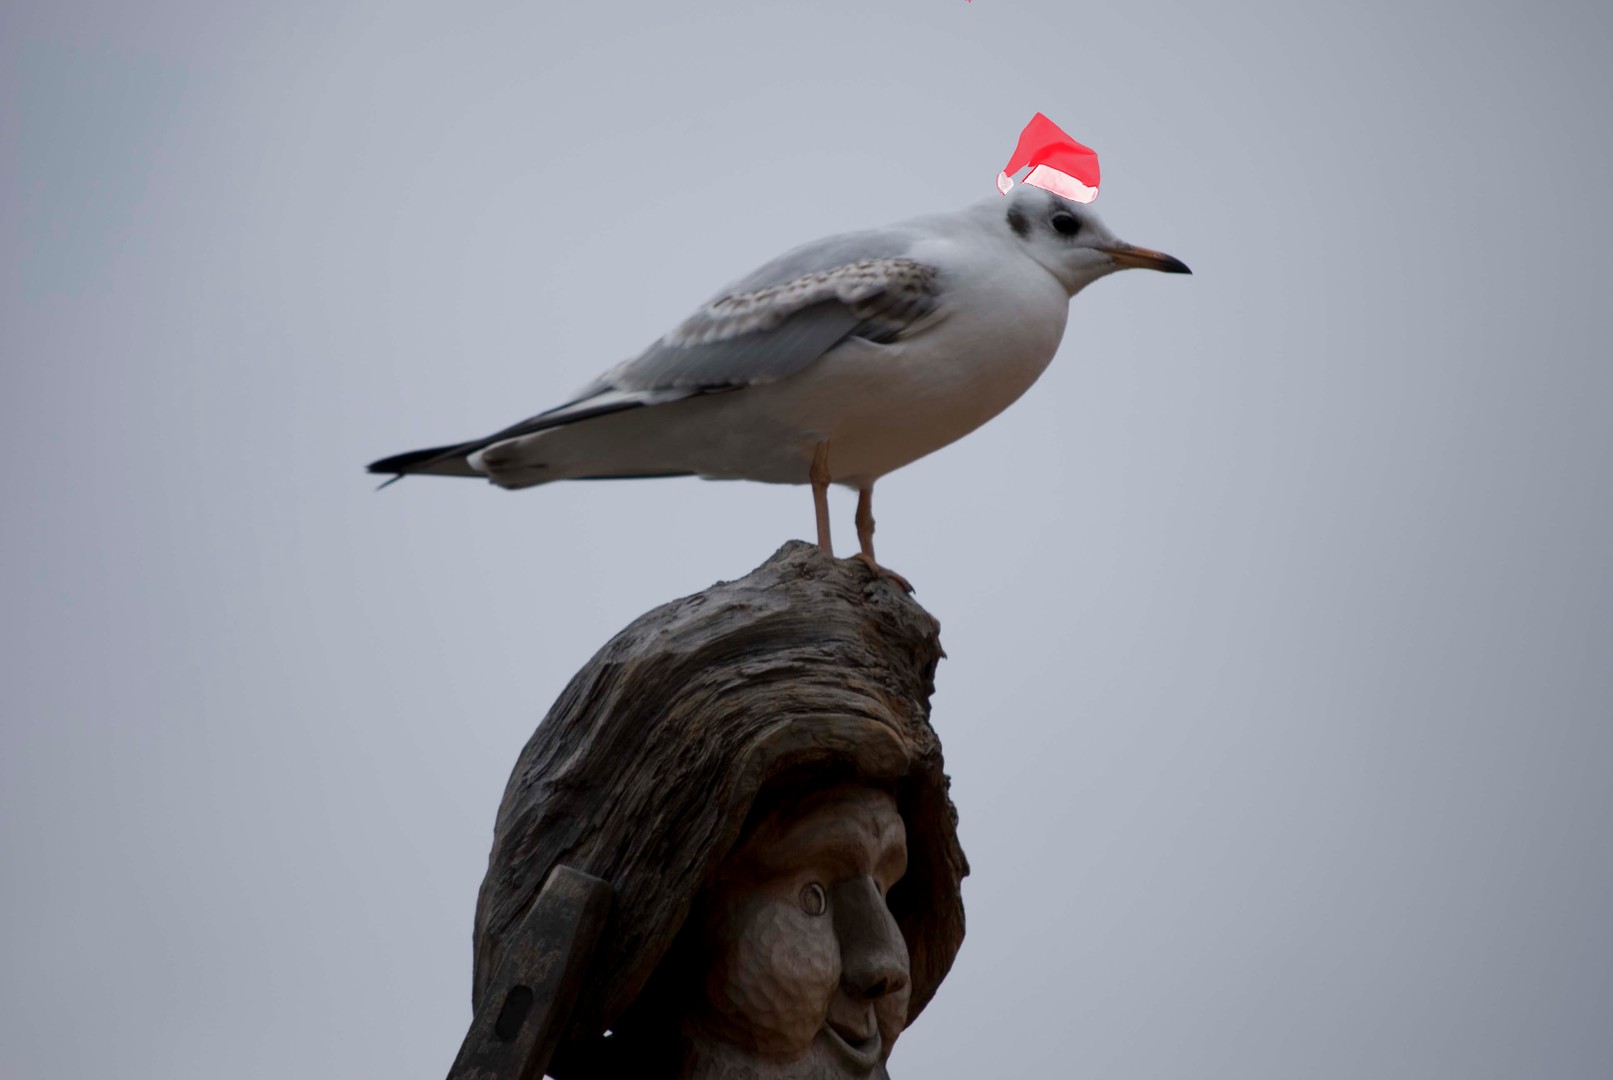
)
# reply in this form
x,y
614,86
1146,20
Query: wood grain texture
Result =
x,y
648,766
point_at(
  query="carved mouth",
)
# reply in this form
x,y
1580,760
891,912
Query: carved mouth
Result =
x,y
861,1050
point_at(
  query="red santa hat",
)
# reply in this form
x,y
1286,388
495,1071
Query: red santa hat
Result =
x,y
1058,163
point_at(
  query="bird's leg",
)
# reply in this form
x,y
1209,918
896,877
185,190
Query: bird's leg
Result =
x,y
819,476
865,524
865,537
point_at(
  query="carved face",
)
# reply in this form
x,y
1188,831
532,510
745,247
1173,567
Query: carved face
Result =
x,y
809,973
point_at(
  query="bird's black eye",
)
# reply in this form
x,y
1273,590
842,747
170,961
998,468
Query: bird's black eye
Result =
x,y
1066,224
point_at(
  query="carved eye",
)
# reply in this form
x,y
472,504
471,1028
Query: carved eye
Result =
x,y
813,900
1066,224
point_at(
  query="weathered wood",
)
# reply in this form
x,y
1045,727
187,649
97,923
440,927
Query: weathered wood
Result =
x,y
646,771
524,1014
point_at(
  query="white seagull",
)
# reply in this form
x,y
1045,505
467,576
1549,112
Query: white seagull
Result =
x,y
837,362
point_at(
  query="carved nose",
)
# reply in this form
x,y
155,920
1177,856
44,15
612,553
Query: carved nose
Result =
x,y
873,955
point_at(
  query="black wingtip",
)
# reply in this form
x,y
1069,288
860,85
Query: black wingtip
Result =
x,y
413,461
388,483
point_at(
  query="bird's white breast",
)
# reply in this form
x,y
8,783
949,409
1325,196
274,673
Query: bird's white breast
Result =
x,y
999,322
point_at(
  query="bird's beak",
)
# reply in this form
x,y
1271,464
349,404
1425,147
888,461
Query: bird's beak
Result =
x,y
1128,256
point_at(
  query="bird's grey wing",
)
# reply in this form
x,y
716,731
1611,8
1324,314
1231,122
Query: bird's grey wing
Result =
x,y
778,319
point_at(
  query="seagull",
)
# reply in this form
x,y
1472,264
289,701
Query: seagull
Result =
x,y
836,363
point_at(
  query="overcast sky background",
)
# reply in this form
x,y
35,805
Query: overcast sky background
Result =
x,y
1279,612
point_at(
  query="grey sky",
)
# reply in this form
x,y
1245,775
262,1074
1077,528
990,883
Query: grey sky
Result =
x,y
1280,612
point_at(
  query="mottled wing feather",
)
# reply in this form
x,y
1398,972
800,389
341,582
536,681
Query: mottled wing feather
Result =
x,y
867,288
785,315
728,358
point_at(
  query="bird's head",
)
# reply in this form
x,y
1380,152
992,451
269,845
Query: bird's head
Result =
x,y
1071,241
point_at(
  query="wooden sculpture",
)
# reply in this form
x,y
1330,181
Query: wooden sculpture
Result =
x,y
749,779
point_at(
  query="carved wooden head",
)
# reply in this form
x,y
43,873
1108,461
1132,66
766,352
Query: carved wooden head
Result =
x,y
721,762
803,970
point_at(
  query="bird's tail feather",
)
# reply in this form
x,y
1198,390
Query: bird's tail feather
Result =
x,y
512,469
432,461
454,460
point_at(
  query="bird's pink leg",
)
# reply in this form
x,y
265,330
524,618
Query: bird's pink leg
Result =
x,y
865,537
819,476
